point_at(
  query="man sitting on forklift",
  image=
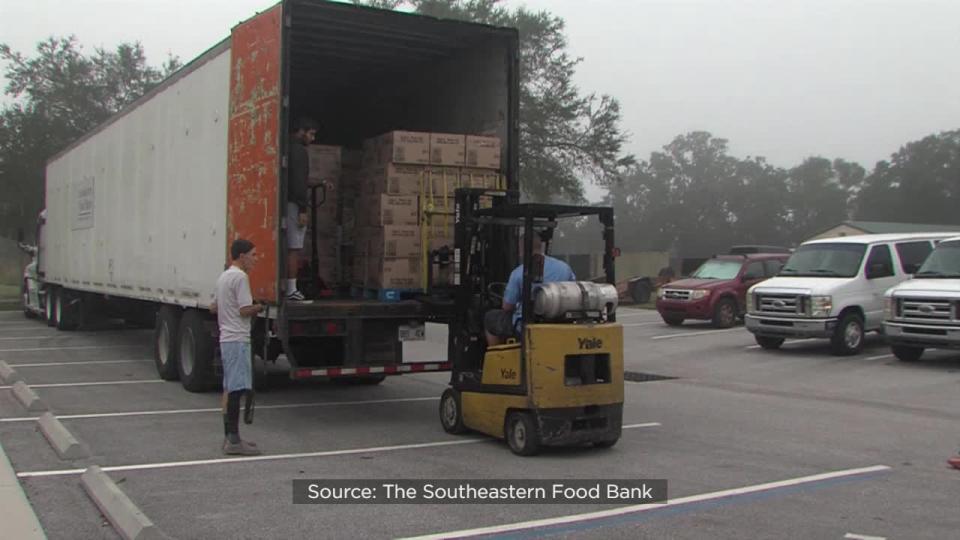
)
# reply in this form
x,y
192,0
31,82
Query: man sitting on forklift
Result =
x,y
501,324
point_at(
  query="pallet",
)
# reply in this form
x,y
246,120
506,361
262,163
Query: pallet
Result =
x,y
384,295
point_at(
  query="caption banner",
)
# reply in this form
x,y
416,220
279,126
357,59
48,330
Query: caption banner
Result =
x,y
479,491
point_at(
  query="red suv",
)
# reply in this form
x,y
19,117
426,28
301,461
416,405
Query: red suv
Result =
x,y
717,290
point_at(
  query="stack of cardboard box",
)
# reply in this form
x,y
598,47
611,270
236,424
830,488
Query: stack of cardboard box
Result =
x,y
406,198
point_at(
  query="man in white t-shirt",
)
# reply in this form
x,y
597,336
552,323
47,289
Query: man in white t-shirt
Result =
x,y
233,304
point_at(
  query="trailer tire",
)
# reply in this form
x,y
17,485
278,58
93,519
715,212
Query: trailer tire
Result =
x,y
195,356
50,306
520,431
451,414
906,353
68,310
166,343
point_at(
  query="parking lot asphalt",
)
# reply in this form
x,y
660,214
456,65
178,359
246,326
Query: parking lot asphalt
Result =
x,y
793,443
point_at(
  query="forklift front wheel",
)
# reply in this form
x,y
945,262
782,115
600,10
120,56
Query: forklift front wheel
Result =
x,y
451,416
521,434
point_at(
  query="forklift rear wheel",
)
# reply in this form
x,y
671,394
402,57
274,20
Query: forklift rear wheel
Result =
x,y
451,415
521,434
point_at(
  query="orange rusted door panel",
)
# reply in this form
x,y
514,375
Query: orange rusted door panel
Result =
x,y
253,153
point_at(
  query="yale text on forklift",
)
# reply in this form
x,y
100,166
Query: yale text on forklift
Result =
x,y
478,491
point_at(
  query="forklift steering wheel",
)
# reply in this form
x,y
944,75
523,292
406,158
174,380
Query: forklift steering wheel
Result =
x,y
497,290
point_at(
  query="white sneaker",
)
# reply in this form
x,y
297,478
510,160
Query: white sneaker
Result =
x,y
296,295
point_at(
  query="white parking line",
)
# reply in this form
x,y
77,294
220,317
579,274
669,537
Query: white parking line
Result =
x,y
880,357
219,410
48,336
641,324
277,457
635,509
84,363
96,383
863,537
692,334
73,348
635,313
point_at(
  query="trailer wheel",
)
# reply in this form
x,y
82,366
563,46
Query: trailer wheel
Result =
x,y
195,357
50,307
68,311
521,434
166,341
451,415
906,353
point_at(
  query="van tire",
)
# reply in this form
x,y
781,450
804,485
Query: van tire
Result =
x,y
769,343
907,353
848,336
640,292
725,313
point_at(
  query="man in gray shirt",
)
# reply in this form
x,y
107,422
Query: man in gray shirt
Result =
x,y
233,304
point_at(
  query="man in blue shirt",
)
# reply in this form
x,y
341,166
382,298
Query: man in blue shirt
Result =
x,y
503,323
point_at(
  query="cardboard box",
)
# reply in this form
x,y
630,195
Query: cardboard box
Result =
x,y
389,210
480,178
393,273
442,181
393,179
440,234
325,163
393,241
447,149
410,147
483,152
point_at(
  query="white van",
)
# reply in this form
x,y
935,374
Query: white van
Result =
x,y
834,288
925,311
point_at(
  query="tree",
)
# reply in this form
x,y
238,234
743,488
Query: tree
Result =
x,y
564,135
920,183
58,95
816,198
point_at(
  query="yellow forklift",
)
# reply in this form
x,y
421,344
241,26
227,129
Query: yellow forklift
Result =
x,y
560,383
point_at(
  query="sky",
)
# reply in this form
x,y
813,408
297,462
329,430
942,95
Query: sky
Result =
x,y
783,79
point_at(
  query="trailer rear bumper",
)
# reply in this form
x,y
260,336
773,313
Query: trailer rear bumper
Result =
x,y
307,373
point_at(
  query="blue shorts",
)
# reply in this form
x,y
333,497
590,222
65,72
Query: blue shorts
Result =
x,y
237,368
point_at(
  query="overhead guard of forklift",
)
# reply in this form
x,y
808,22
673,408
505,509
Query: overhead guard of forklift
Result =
x,y
519,211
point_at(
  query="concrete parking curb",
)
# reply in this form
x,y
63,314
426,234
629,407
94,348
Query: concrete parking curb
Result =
x,y
19,520
28,398
125,517
63,442
8,374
